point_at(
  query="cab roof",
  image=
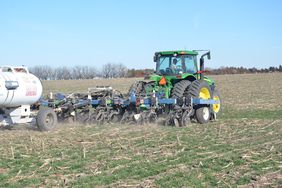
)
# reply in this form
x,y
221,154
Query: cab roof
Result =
x,y
178,52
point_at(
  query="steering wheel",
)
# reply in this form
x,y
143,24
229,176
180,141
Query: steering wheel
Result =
x,y
169,71
162,71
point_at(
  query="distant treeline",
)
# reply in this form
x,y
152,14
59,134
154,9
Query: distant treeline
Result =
x,y
242,70
118,70
110,70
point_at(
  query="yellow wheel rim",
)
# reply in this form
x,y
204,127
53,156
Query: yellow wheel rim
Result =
x,y
204,93
216,107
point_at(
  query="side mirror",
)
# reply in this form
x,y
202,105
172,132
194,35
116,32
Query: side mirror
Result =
x,y
209,55
155,58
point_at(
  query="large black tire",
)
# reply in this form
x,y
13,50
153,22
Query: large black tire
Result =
x,y
180,90
195,88
201,89
46,119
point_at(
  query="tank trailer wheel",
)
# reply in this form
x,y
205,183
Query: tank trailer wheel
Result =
x,y
46,119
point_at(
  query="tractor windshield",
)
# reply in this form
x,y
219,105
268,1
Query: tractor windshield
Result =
x,y
175,65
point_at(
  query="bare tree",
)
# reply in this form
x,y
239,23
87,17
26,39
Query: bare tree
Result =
x,y
43,72
121,70
91,72
63,73
77,72
88,72
112,70
107,70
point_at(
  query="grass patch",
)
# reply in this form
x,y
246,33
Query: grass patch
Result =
x,y
219,154
230,113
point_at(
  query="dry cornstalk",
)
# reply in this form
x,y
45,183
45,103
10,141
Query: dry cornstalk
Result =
x,y
84,151
42,145
12,152
178,140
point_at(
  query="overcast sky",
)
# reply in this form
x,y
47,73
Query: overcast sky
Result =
x,y
68,32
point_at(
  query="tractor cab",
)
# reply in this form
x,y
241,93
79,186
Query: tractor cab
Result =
x,y
171,63
174,67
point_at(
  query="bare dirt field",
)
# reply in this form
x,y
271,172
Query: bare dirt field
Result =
x,y
242,148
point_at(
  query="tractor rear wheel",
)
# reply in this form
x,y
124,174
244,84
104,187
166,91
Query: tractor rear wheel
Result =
x,y
201,89
180,90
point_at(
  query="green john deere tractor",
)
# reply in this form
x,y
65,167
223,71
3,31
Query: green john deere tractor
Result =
x,y
177,75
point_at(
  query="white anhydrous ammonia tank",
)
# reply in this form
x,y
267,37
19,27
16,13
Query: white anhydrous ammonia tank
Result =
x,y
18,87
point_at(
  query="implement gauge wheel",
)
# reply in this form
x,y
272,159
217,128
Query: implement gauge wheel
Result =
x,y
203,114
46,119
